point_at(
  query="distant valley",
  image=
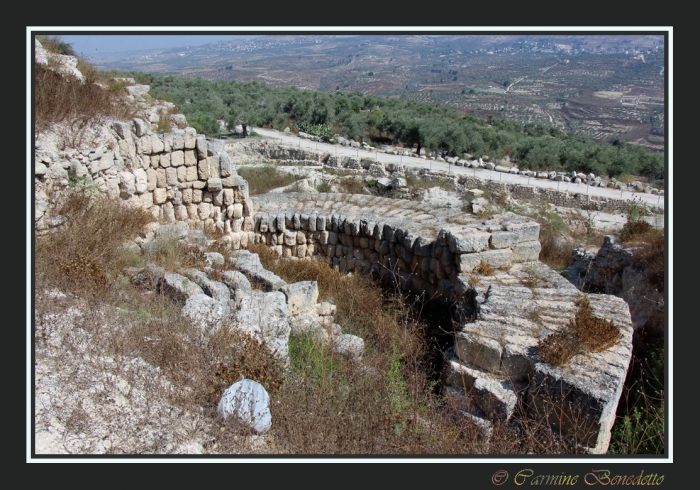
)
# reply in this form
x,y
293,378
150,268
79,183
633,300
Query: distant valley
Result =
x,y
603,87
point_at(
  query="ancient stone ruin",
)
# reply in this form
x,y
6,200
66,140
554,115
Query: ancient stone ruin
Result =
x,y
191,185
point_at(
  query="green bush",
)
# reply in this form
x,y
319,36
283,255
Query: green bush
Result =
x,y
321,130
640,428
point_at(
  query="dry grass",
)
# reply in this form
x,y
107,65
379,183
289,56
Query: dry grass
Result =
x,y
585,333
59,99
85,254
484,269
55,44
265,178
650,254
351,184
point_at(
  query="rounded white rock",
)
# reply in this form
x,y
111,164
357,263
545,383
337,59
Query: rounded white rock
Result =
x,y
250,401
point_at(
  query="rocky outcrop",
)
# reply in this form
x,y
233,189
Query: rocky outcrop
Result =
x,y
496,367
611,270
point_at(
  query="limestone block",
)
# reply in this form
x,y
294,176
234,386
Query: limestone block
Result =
x,y
280,220
141,181
178,140
290,237
146,144
214,170
177,158
214,184
190,138
191,174
203,210
228,197
127,184
321,222
168,211
171,176
181,212
165,160
479,351
161,178
190,158
152,179
203,170
159,196
201,147
218,198
236,181
182,174
157,145
146,200
226,168
468,240
526,251
525,232
168,142
495,258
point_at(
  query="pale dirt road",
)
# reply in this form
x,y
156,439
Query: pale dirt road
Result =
x,y
292,140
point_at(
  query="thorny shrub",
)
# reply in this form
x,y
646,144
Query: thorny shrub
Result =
x,y
585,333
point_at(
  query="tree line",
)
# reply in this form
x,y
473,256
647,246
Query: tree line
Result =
x,y
413,124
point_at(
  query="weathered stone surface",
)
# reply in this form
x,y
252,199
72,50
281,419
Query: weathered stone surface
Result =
x,y
249,401
249,264
238,284
301,296
264,317
495,396
502,341
174,231
468,240
495,258
349,345
206,312
611,270
148,277
178,287
526,251
215,289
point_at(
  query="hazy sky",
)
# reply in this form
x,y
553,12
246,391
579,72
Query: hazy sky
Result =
x,y
94,45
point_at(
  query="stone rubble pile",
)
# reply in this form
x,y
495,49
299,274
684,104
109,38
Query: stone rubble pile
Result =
x,y
245,296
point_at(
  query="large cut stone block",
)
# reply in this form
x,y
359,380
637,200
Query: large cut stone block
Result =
x,y
495,258
468,241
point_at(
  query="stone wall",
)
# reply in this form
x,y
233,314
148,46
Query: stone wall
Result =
x,y
178,176
557,197
423,248
517,191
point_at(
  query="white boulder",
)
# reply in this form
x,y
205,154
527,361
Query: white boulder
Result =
x,y
249,401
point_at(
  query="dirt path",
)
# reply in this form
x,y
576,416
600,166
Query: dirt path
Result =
x,y
292,140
